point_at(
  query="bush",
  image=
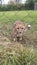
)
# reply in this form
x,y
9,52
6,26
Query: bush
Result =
x,y
29,6
11,7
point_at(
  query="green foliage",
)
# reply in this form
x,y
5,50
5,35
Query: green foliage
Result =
x,y
16,53
26,56
13,7
31,1
35,1
8,18
30,4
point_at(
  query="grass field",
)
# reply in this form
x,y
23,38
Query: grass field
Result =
x,y
15,53
29,17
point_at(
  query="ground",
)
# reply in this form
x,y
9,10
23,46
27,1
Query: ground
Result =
x,y
7,20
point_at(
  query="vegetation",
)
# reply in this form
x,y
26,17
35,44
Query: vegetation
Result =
x,y
18,55
15,53
11,6
30,4
29,17
31,1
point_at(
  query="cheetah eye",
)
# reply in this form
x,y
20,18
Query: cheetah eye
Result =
x,y
21,28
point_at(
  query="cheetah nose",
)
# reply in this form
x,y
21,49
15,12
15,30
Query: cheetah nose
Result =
x,y
20,32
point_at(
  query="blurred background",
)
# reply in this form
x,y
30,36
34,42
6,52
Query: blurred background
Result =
x,y
10,5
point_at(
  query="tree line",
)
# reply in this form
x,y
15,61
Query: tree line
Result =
x,y
29,5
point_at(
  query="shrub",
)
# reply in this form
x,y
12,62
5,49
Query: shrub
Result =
x,y
11,7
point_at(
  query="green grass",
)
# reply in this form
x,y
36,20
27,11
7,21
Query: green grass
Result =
x,y
16,53
29,17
